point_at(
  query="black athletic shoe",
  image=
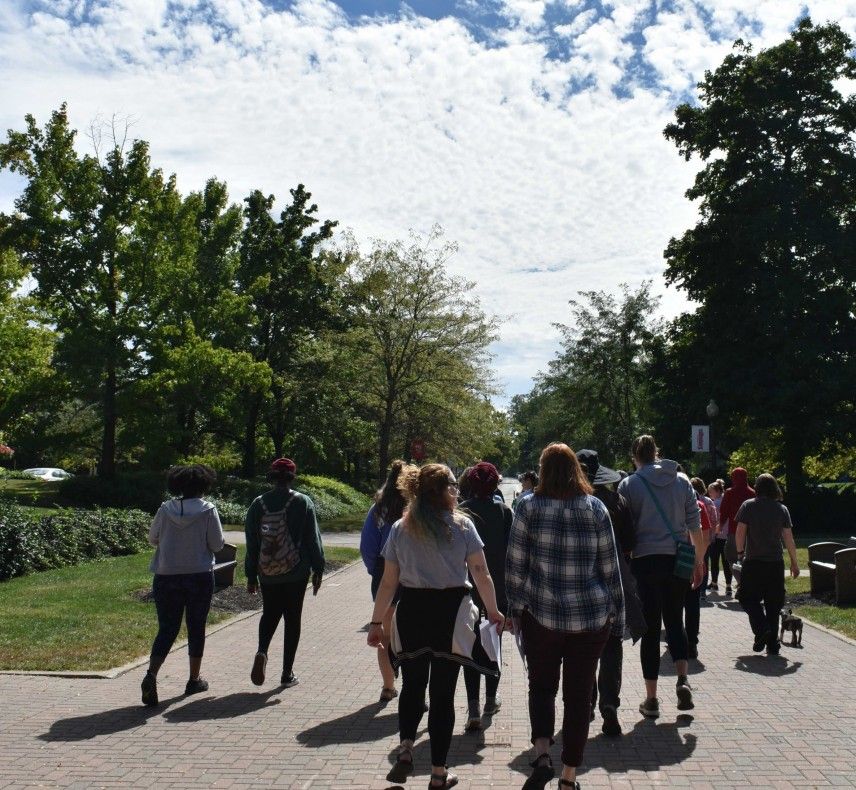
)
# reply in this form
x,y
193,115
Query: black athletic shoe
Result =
x,y
610,727
289,680
685,695
773,647
257,673
196,686
650,708
149,688
761,642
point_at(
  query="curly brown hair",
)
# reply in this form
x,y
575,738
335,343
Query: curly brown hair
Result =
x,y
425,490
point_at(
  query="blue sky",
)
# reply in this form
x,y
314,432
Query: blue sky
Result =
x,y
530,130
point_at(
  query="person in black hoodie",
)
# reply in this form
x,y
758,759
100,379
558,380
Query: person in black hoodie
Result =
x,y
493,522
608,683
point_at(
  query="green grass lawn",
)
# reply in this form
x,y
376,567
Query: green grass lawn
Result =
x,y
841,619
352,523
39,493
86,617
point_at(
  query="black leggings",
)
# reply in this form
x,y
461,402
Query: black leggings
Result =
x,y
663,596
717,550
186,595
441,686
472,680
762,596
282,602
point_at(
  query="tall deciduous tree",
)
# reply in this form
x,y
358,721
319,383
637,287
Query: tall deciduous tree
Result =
x,y
772,258
93,231
596,393
422,340
26,344
293,286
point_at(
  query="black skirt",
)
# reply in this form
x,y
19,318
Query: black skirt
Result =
x,y
431,622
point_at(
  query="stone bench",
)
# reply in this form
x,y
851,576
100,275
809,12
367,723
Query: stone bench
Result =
x,y
224,566
832,567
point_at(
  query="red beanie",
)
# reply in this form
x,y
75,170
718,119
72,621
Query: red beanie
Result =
x,y
483,479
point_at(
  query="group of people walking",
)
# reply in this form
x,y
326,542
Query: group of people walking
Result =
x,y
587,558
284,552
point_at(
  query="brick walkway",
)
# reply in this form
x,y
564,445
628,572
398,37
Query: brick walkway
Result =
x,y
758,722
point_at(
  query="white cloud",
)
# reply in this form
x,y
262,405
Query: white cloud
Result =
x,y
404,122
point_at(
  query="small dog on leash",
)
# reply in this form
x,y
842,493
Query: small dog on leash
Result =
x,y
792,623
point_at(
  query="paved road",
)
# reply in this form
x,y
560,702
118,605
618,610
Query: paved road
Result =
x,y
758,722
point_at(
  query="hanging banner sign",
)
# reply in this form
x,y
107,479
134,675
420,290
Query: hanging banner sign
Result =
x,y
701,438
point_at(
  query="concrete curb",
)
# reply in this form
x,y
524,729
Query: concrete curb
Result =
x,y
829,631
110,674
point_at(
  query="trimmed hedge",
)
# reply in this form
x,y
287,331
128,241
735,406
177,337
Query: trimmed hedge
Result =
x,y
826,510
143,490
146,490
30,543
332,498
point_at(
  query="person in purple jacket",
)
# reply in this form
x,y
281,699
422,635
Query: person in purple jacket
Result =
x,y
386,510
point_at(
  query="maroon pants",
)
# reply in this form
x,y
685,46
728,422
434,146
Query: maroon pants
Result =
x,y
546,651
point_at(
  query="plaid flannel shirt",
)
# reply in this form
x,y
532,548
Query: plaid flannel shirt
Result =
x,y
562,565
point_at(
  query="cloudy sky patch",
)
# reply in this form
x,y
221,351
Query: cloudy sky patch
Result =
x,y
530,129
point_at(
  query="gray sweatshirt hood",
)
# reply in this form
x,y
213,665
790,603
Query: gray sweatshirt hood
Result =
x,y
184,512
660,473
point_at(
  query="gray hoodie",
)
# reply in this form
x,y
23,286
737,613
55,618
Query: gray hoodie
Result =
x,y
677,498
186,533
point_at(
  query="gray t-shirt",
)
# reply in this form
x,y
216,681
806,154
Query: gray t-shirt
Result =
x,y
765,519
429,563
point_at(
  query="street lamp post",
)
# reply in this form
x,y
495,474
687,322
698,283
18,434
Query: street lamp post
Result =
x,y
712,412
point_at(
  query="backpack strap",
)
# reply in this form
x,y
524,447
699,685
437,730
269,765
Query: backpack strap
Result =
x,y
660,510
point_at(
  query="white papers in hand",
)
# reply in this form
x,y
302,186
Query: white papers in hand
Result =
x,y
490,640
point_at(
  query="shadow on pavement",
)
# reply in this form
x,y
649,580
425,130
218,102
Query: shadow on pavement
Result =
x,y
107,722
769,666
647,747
361,726
464,750
229,707
695,666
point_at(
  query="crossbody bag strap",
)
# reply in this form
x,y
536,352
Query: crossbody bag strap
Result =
x,y
660,510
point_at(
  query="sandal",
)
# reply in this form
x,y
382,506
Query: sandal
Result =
x,y
449,780
402,768
543,772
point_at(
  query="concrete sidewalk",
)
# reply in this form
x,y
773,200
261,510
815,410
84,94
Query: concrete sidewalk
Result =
x,y
758,722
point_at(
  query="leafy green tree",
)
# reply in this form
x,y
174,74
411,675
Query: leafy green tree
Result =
x,y
93,230
293,286
421,344
196,373
771,260
597,390
26,344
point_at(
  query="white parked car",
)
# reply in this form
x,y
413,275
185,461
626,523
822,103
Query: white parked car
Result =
x,y
47,473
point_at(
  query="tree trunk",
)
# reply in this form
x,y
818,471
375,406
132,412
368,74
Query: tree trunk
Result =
x,y
248,463
276,421
107,465
794,458
383,442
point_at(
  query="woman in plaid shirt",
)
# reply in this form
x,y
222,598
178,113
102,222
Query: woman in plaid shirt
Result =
x,y
564,591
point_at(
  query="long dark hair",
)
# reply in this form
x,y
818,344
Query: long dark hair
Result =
x,y
389,503
561,475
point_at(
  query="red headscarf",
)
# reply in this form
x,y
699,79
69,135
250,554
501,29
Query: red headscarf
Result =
x,y
735,496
